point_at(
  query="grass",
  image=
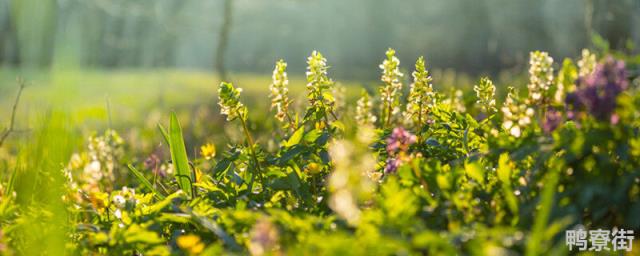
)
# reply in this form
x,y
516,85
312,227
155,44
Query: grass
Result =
x,y
85,95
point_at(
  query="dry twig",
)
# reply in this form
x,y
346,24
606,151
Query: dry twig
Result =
x,y
7,131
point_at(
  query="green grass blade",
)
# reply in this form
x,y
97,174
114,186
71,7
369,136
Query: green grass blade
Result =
x,y
145,182
164,133
12,181
545,206
179,156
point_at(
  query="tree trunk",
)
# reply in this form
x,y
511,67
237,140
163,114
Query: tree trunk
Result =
x,y
223,39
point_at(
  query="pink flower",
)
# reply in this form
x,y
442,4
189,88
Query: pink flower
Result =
x,y
552,120
597,93
397,146
399,141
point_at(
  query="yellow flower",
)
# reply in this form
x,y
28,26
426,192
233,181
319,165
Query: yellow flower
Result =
x,y
190,243
99,201
198,175
313,168
208,151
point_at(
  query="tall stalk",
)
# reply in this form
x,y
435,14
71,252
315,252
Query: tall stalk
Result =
x,y
253,154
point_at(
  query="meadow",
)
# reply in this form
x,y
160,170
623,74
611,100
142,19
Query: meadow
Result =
x,y
168,162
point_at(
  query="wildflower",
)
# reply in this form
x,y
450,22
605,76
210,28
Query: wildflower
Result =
x,y
119,201
279,91
339,93
313,168
587,64
318,87
597,92
515,113
485,92
421,95
399,141
231,106
93,172
99,200
124,197
103,154
455,102
552,120
390,92
167,169
229,102
392,165
397,147
208,151
264,238
190,243
364,115
540,77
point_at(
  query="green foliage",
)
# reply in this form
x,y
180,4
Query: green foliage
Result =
x,y
485,92
145,182
421,96
319,85
450,183
230,104
566,80
179,157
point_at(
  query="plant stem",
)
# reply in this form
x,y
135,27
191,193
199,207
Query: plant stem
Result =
x,y
253,153
389,107
420,125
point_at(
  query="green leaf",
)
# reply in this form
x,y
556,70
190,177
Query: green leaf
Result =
x,y
179,156
174,217
164,133
12,181
138,234
504,169
312,135
145,182
157,207
432,142
221,167
280,183
323,139
474,170
338,125
328,96
295,138
504,175
290,154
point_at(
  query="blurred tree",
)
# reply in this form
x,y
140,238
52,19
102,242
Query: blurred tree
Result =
x,y
223,39
8,38
468,35
34,22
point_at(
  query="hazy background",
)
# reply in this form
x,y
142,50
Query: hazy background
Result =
x,y
471,36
